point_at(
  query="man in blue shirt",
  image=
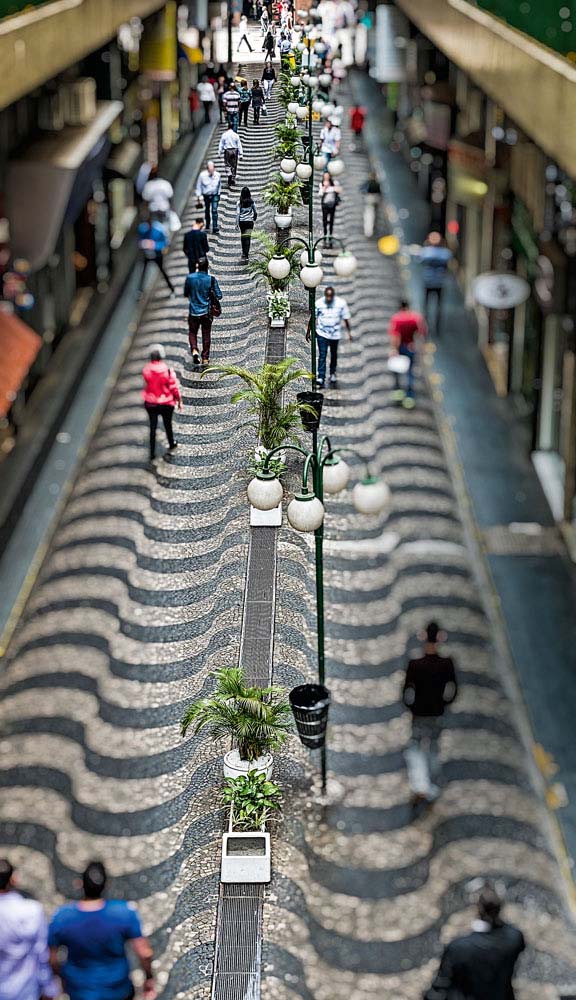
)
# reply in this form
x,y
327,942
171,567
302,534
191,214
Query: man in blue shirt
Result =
x,y
94,933
434,259
153,242
200,287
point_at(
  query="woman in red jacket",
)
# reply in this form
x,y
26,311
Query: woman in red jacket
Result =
x,y
161,394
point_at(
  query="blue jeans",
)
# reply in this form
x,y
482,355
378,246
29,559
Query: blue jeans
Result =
x,y
323,345
232,120
407,353
211,206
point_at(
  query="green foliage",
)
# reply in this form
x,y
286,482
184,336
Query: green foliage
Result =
x,y
266,248
263,393
281,195
286,91
257,719
288,136
278,305
254,799
276,466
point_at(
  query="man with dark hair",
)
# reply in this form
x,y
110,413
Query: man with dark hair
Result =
x,y
199,288
332,313
94,933
25,972
195,244
430,684
480,965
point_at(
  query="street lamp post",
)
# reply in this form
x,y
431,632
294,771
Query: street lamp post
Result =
x,y
330,474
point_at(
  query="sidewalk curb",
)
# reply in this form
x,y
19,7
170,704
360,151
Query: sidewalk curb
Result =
x,y
483,576
9,616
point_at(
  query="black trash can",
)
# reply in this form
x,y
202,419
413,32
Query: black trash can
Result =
x,y
310,704
310,420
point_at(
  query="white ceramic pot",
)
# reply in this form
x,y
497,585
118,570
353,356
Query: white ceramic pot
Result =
x,y
234,766
283,221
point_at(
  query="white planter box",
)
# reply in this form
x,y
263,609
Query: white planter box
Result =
x,y
277,322
234,766
246,857
266,518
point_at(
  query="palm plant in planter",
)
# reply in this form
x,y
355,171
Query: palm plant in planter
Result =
x,y
257,719
258,265
282,195
277,422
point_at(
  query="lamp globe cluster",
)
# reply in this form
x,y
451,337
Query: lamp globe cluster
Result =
x,y
305,512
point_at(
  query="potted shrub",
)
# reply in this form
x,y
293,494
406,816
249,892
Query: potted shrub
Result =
x,y
277,422
282,196
253,800
278,308
266,249
257,719
288,135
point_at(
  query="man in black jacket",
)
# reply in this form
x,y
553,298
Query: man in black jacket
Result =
x,y
195,244
480,965
429,686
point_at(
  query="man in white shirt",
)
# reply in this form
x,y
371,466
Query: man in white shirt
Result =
x,y
332,313
207,95
231,147
208,187
25,972
330,139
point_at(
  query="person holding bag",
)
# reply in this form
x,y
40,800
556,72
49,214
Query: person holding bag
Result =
x,y
204,294
161,394
329,199
246,216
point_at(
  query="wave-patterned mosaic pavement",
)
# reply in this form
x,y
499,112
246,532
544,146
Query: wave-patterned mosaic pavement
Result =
x,y
363,896
140,597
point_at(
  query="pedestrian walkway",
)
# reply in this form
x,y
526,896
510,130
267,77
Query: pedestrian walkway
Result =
x,y
364,895
533,577
139,598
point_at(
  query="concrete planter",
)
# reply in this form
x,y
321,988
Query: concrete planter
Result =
x,y
235,767
266,518
246,856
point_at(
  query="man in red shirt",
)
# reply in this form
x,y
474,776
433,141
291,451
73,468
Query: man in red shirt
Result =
x,y
357,119
405,326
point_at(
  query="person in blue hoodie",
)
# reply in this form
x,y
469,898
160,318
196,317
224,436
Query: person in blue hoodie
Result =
x,y
153,243
434,260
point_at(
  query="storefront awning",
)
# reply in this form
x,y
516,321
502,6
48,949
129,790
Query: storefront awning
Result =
x,y
43,184
19,346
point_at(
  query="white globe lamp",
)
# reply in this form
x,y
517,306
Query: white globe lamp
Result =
x,y
317,106
304,171
329,109
311,275
295,81
292,107
304,259
300,46
265,491
305,512
324,79
319,161
345,264
336,475
336,167
288,165
371,496
279,267
301,112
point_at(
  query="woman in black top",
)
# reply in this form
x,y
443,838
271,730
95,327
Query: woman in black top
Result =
x,y
269,46
257,97
268,78
246,216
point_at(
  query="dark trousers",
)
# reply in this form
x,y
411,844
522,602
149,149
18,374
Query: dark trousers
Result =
x,y
323,345
231,164
435,293
195,323
211,206
244,39
166,412
207,110
246,236
158,259
409,353
244,112
256,115
328,213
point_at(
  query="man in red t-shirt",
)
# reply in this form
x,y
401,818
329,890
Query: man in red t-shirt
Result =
x,y
405,326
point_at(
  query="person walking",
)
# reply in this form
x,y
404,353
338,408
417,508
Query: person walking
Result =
x,y
434,259
245,97
264,22
153,243
244,33
372,197
221,87
158,194
330,139
208,187
231,102
429,685
405,327
330,198
25,972
480,965
357,119
268,79
268,47
195,244
332,313
161,393
207,96
246,216
257,100
284,48
95,933
230,148
201,289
